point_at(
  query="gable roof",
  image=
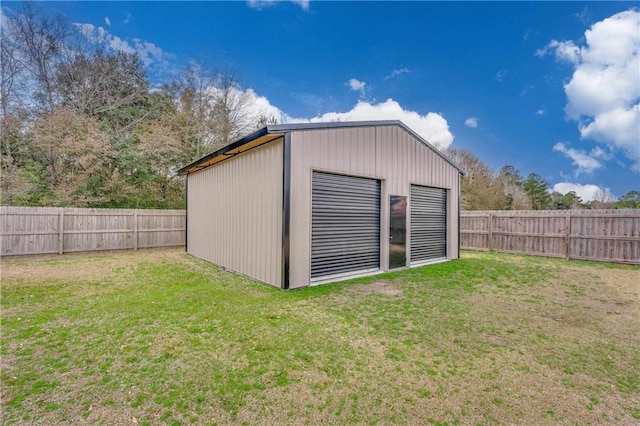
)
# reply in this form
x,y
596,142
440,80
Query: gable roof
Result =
x,y
275,131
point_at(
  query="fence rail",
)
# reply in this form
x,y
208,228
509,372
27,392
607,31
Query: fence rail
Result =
x,y
41,230
601,235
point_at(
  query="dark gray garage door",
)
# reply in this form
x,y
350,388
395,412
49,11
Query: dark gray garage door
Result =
x,y
345,224
428,223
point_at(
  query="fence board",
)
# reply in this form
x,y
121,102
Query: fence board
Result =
x,y
40,230
601,235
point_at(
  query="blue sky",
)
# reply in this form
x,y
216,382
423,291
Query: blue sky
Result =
x,y
548,87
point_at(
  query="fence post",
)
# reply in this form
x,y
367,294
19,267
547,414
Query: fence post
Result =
x,y
135,230
567,239
61,232
490,239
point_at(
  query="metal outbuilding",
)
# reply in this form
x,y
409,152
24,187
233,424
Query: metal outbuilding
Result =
x,y
294,205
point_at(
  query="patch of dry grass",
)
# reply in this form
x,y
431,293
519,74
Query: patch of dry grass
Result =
x,y
158,337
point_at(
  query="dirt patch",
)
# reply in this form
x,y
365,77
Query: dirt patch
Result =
x,y
626,281
473,254
383,287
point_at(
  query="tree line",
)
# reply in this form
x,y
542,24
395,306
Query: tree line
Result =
x,y
482,188
83,125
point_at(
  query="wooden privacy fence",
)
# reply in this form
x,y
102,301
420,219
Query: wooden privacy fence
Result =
x,y
40,230
602,235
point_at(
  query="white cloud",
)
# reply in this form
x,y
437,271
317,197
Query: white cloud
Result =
x,y
527,89
260,105
586,163
598,152
260,4
586,192
101,36
86,30
500,75
251,105
603,95
583,15
127,18
304,4
263,4
620,126
541,111
149,53
116,43
471,122
564,51
356,85
396,73
107,21
431,126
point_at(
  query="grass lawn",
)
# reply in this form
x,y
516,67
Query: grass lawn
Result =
x,y
158,337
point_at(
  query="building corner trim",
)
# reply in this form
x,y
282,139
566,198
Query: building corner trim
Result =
x,y
186,214
286,208
459,215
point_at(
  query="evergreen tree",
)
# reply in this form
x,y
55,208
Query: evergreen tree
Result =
x,y
538,191
630,200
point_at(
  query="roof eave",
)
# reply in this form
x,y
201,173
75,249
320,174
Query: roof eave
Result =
x,y
249,138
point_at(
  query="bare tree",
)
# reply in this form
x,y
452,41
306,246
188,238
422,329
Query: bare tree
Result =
x,y
265,120
10,70
196,105
231,113
480,190
41,41
100,84
603,199
217,108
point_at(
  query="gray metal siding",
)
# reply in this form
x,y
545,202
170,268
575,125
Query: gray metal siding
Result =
x,y
234,213
428,223
387,153
345,234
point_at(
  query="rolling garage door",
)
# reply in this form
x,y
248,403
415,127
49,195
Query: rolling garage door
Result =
x,y
345,224
428,223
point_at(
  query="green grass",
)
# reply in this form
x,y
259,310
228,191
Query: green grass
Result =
x,y
162,338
